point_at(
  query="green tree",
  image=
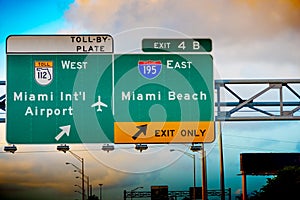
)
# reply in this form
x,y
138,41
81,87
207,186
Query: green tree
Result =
x,y
285,185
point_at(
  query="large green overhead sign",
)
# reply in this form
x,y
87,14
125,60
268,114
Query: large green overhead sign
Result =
x,y
163,98
73,89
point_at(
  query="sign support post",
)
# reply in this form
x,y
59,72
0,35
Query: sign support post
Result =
x,y
222,182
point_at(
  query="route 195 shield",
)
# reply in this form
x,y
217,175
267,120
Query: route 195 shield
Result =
x,y
150,69
43,72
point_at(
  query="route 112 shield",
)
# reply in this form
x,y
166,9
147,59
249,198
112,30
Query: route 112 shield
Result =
x,y
43,72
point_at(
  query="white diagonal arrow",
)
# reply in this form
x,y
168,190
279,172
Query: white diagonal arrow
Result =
x,y
64,130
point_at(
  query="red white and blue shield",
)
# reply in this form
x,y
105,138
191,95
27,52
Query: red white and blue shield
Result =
x,y
150,69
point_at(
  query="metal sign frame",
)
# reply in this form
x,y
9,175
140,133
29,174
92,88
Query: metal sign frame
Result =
x,y
231,111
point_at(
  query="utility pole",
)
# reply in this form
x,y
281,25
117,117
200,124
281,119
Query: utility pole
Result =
x,y
222,182
100,195
204,177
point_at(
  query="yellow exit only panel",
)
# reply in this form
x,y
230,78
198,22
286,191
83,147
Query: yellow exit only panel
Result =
x,y
163,132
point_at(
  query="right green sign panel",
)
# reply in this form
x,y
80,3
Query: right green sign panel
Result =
x,y
163,98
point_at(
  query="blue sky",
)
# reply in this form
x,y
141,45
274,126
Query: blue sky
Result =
x,y
30,17
251,40
22,17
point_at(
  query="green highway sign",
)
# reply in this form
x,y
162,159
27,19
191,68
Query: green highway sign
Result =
x,y
176,45
52,94
56,87
163,98
101,97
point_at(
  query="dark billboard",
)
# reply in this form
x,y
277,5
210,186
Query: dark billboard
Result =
x,y
159,192
267,163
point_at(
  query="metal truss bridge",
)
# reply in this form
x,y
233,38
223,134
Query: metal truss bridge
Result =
x,y
270,100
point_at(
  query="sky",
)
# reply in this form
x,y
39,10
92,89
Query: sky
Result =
x,y
252,39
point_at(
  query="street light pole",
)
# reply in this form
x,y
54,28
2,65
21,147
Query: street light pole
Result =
x,y
78,186
85,176
87,181
77,170
194,160
100,195
222,182
204,181
82,172
78,192
194,163
194,189
65,148
90,192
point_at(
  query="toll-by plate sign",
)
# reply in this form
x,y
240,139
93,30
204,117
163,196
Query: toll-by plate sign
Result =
x,y
96,96
59,97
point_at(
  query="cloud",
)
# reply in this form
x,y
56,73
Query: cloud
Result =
x,y
230,19
279,14
11,191
130,161
30,171
298,147
35,173
250,38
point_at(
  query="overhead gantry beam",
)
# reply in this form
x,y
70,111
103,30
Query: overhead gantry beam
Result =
x,y
257,110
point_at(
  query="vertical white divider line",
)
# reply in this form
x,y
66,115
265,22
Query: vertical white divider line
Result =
x,y
113,84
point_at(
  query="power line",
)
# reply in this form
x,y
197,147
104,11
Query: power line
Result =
x,y
248,137
231,146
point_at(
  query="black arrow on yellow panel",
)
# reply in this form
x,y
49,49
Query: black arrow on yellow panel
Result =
x,y
142,129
